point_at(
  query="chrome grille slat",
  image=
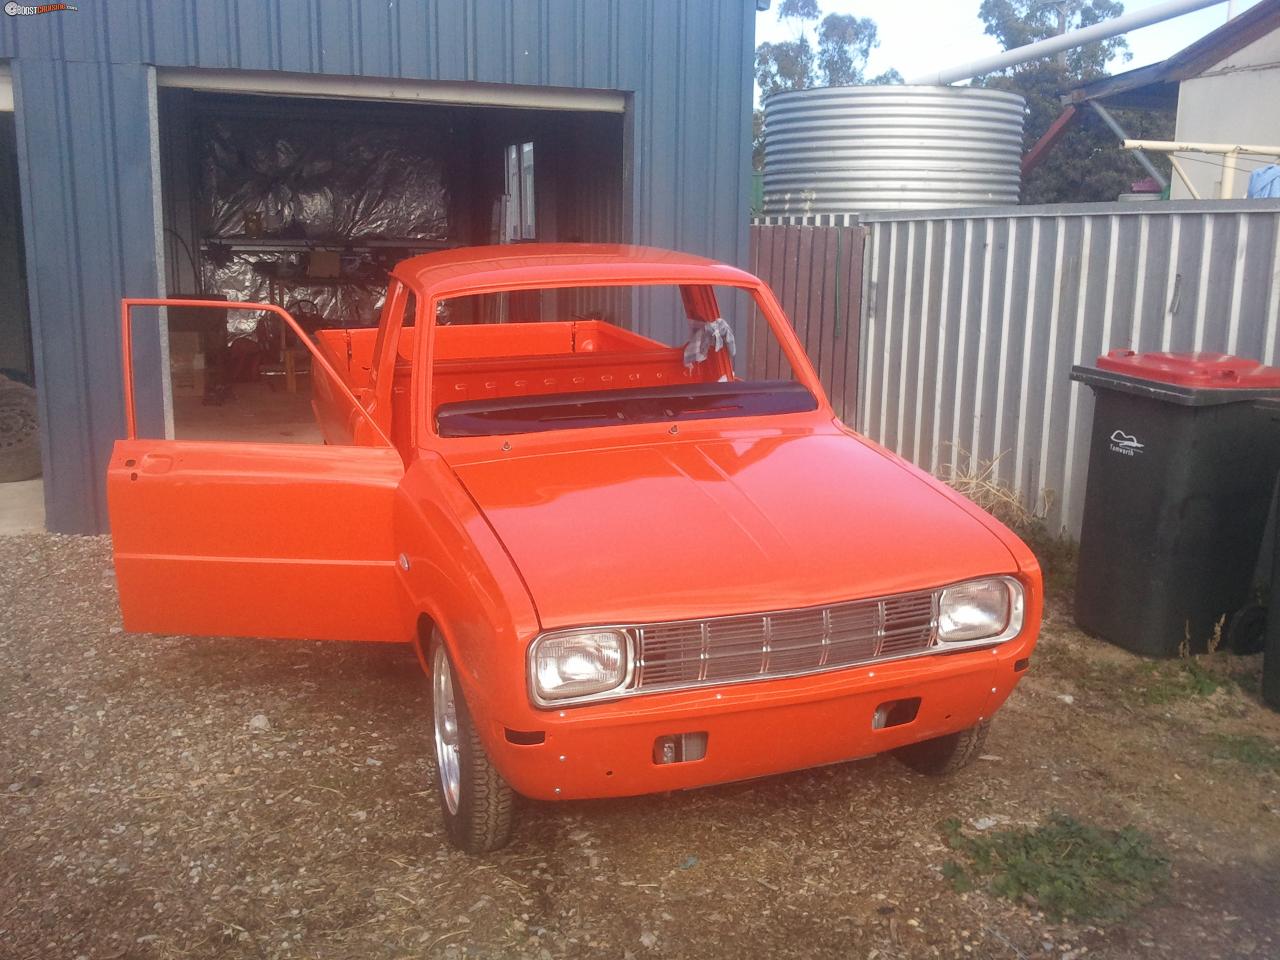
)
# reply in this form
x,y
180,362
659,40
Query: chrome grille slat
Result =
x,y
668,654
783,643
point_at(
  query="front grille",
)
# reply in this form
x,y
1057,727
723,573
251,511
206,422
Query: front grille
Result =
x,y
754,646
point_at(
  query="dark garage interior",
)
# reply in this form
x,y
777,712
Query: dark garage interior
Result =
x,y
307,203
19,429
16,359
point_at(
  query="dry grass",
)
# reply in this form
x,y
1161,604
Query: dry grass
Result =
x,y
980,481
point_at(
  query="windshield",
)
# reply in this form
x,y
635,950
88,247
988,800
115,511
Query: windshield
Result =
x,y
574,357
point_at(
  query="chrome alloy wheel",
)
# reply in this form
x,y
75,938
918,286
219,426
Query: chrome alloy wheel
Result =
x,y
446,728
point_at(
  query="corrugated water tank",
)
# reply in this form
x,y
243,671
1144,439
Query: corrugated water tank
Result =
x,y
854,149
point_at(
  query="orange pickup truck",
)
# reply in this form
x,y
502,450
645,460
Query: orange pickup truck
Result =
x,y
601,492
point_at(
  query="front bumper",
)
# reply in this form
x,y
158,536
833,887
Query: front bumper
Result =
x,y
756,729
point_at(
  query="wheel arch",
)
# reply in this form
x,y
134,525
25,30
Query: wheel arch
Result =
x,y
426,626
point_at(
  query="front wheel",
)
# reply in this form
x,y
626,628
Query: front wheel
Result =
x,y
478,806
942,756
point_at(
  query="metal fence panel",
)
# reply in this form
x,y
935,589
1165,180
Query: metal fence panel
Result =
x,y
816,274
973,319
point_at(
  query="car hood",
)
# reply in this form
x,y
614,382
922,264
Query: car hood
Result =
x,y
701,528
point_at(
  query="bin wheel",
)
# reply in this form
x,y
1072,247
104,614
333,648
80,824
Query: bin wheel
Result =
x,y
1247,630
478,806
943,756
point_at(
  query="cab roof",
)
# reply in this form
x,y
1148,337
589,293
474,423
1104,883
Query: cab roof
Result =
x,y
463,270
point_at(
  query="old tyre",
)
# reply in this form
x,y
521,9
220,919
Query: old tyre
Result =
x,y
1247,630
19,432
945,755
478,806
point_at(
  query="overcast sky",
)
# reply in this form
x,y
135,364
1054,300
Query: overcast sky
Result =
x,y
921,35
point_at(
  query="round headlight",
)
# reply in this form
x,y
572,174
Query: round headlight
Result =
x,y
980,610
579,663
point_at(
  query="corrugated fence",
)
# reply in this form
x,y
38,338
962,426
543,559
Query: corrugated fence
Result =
x,y
973,320
816,274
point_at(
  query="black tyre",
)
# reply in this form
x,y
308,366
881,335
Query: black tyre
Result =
x,y
478,806
19,432
1247,630
945,755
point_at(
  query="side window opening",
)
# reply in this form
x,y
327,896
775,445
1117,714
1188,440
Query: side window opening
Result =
x,y
394,292
222,372
408,328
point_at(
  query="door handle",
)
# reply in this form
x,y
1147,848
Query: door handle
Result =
x,y
156,463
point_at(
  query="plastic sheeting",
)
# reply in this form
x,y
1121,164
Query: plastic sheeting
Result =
x,y
265,179
353,303
304,179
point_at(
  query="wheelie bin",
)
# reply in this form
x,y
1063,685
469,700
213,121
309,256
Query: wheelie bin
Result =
x,y
1271,647
1182,459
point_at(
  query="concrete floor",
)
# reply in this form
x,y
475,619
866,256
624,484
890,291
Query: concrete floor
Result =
x,y
262,412
22,507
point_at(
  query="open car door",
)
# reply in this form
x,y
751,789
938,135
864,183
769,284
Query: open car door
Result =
x,y
228,538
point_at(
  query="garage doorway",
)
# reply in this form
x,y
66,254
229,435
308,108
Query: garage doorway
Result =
x,y
307,201
16,359
21,491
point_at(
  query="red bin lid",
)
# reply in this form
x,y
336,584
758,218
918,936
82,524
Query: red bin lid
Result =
x,y
1211,371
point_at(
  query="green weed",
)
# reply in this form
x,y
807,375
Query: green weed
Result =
x,y
1172,680
1066,868
1249,749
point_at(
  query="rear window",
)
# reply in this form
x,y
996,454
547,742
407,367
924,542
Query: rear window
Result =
x,y
577,357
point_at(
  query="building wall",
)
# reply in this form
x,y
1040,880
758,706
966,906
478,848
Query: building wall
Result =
x,y
1234,102
88,149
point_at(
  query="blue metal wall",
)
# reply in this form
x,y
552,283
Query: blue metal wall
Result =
x,y
88,160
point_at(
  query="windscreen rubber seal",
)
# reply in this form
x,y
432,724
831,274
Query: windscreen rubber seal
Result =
x,y
566,411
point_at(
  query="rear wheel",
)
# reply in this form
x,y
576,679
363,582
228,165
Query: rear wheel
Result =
x,y
942,756
478,806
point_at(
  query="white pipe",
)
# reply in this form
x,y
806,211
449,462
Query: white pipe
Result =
x,y
1228,185
1230,151
1076,38
1186,180
1138,155
1185,146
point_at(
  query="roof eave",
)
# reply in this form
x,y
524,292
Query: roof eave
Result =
x,y
1125,89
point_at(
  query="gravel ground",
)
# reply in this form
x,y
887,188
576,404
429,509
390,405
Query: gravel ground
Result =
x,y
176,797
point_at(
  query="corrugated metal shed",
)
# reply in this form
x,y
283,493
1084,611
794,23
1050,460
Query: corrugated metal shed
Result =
x,y
85,91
